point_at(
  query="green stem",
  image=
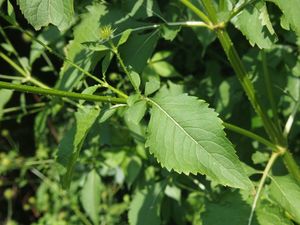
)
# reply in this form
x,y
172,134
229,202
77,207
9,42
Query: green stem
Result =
x,y
291,165
268,83
88,74
250,134
269,165
197,11
120,60
17,108
54,92
27,76
242,75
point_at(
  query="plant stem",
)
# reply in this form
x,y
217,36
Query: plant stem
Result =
x,y
54,92
268,83
22,72
291,165
197,11
250,134
269,165
88,74
15,109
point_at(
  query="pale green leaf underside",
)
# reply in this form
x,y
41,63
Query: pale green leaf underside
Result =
x,y
41,13
286,192
187,136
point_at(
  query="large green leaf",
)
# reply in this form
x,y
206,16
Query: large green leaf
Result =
x,y
187,136
259,31
145,206
69,147
286,192
290,11
40,13
90,196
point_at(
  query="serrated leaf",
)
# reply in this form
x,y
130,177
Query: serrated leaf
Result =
x,y
90,196
259,32
145,206
286,192
40,13
187,136
136,112
290,11
69,147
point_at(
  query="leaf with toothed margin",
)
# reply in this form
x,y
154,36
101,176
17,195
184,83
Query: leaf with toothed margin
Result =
x,y
185,135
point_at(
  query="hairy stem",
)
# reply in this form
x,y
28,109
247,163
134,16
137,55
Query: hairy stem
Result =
x,y
54,92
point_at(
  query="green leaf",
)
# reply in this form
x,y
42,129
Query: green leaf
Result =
x,y
290,11
136,112
89,90
187,136
230,208
41,13
152,86
95,46
268,214
286,192
90,196
145,206
259,31
162,68
69,147
5,96
135,78
138,49
124,37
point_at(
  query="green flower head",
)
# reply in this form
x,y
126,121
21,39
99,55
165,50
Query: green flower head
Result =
x,y
106,32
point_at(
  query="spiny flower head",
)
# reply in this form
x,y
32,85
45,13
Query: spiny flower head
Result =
x,y
106,32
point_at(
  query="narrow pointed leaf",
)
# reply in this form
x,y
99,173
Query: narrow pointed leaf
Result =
x,y
187,136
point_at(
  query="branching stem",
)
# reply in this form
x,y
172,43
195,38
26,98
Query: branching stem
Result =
x,y
54,92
